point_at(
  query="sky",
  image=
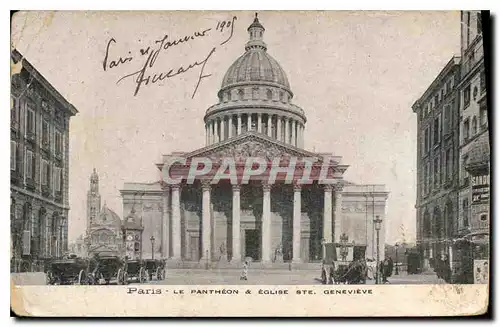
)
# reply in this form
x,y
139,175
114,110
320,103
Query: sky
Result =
x,y
356,75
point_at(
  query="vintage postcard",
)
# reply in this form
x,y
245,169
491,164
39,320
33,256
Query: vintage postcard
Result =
x,y
269,163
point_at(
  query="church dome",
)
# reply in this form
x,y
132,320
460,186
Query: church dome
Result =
x,y
255,65
108,217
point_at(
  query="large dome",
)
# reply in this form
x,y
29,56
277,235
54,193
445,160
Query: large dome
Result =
x,y
255,65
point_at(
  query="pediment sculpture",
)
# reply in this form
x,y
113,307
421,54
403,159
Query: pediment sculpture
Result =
x,y
249,149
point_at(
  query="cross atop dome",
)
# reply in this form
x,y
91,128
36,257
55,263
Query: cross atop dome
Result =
x,y
256,33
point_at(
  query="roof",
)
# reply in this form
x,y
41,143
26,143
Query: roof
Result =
x,y
16,57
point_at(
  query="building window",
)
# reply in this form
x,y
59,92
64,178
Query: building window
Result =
x,y
45,172
229,95
269,94
474,126
14,111
59,143
468,28
30,121
466,129
448,86
29,164
281,95
484,217
465,208
13,155
483,116
466,96
447,119
436,172
449,164
57,179
442,94
437,131
426,140
436,100
241,94
45,133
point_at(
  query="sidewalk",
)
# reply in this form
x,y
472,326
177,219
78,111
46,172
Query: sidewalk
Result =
x,y
28,278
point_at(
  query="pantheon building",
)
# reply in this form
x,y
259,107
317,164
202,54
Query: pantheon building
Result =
x,y
195,223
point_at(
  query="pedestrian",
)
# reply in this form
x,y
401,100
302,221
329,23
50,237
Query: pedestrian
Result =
x,y
323,272
390,267
244,272
331,274
381,271
446,269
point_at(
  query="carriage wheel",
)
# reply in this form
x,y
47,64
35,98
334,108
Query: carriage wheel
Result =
x,y
81,278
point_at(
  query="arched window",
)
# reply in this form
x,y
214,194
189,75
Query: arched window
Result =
x,y
465,215
269,94
474,125
255,93
281,96
241,94
229,95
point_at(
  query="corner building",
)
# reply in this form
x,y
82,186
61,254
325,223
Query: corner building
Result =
x,y
224,223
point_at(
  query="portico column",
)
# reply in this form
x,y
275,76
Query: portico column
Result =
x,y
236,224
259,123
327,214
230,127
212,132
238,130
165,218
287,130
278,128
269,125
338,212
249,122
176,222
297,208
205,222
266,223
294,127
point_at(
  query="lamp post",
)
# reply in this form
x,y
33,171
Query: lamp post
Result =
x,y
152,239
378,224
397,269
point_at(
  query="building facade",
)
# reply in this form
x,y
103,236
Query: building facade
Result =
x,y
473,126
226,222
39,167
437,113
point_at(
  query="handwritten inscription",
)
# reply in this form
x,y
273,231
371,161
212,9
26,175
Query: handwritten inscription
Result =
x,y
150,74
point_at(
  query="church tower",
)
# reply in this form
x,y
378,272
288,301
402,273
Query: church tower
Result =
x,y
93,199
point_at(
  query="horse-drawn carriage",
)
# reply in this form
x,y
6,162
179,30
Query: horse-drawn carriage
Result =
x,y
156,268
110,268
68,271
343,271
137,271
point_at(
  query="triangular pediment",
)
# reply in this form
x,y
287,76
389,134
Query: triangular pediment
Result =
x,y
251,144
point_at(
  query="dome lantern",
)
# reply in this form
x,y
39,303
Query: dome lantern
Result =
x,y
256,34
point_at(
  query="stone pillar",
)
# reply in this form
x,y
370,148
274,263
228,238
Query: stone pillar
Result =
x,y
218,130
278,128
259,123
287,130
294,128
327,214
205,222
297,213
212,132
266,223
249,122
176,222
236,256
230,127
338,212
269,125
238,128
165,223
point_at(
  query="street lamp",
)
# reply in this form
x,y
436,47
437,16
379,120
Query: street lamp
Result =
x,y
378,225
152,239
397,269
